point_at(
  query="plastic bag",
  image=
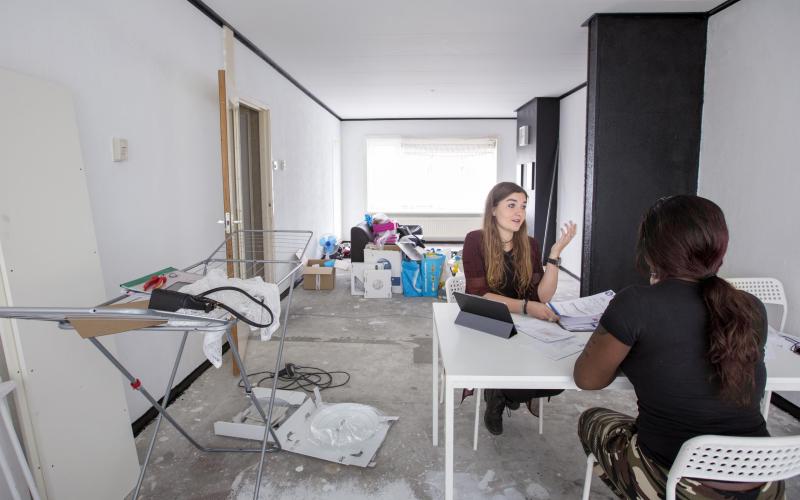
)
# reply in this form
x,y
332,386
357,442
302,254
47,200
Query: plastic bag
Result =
x,y
421,278
432,265
411,277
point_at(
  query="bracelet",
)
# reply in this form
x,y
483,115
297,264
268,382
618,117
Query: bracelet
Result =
x,y
525,307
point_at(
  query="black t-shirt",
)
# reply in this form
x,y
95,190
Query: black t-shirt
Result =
x,y
509,288
666,327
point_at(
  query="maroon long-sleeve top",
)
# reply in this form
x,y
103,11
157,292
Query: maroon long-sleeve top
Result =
x,y
475,269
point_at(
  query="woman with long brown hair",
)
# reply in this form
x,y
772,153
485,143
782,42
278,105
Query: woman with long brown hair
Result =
x,y
502,263
693,348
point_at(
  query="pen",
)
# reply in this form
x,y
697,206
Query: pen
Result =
x,y
551,306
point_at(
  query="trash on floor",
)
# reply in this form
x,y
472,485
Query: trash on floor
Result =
x,y
345,433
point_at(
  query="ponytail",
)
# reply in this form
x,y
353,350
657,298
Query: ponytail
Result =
x,y
734,347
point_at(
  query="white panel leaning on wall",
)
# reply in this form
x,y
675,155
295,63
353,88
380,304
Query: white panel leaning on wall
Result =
x,y
71,398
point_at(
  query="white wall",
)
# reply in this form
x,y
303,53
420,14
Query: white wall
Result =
x,y
147,71
748,151
354,154
572,173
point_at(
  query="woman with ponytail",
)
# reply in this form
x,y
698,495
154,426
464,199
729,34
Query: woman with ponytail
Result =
x,y
502,263
693,348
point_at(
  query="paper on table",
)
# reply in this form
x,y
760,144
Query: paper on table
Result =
x,y
579,324
778,340
585,306
540,330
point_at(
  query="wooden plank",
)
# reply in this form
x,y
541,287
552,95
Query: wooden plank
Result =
x,y
226,186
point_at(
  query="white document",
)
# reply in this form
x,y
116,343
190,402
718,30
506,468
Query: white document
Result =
x,y
778,340
592,305
540,330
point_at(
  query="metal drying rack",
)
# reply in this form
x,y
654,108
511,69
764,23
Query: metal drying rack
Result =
x,y
275,255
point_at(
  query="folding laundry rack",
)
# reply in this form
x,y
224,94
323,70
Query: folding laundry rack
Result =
x,y
275,255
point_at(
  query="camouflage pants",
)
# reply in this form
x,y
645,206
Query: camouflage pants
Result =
x,y
611,437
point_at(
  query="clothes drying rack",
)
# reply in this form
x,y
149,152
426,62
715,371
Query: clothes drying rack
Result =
x,y
275,255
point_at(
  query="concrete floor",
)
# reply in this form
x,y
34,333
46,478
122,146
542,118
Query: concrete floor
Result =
x,y
385,345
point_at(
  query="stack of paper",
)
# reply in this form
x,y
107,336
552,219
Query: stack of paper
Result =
x,y
582,315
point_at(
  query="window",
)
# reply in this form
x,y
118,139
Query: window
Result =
x,y
429,176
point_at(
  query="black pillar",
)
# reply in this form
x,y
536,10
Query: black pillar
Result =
x,y
644,105
538,158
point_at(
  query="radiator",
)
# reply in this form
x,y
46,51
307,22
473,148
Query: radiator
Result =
x,y
442,227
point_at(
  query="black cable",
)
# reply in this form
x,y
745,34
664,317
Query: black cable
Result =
x,y
238,315
305,378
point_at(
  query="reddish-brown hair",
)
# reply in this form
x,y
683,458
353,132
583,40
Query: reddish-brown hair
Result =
x,y
686,237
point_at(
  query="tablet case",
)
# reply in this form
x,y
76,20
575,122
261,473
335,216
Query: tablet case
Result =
x,y
484,315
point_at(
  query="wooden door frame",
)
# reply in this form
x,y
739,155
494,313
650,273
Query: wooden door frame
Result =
x,y
232,180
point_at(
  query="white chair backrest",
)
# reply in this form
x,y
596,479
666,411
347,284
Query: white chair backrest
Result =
x,y
455,283
767,290
737,459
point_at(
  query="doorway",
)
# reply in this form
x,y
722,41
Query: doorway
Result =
x,y
252,194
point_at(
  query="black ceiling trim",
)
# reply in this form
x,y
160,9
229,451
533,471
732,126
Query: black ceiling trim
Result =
x,y
644,14
205,9
414,119
572,91
719,8
565,94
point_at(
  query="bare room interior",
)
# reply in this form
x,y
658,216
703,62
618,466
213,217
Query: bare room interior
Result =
x,y
410,237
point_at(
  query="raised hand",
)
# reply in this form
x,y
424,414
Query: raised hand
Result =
x,y
568,231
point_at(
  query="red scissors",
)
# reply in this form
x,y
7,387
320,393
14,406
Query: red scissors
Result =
x,y
155,282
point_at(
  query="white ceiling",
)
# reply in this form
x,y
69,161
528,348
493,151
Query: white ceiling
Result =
x,y
430,58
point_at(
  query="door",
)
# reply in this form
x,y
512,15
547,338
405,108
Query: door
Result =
x,y
246,189
254,190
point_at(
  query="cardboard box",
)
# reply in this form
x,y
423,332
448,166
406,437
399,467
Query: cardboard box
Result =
x,y
357,276
318,278
391,258
377,284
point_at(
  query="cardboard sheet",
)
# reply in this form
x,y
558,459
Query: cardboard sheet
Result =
x,y
90,327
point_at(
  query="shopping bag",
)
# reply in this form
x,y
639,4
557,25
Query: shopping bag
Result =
x,y
412,278
432,265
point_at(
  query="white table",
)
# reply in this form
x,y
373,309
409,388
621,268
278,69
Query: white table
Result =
x,y
478,360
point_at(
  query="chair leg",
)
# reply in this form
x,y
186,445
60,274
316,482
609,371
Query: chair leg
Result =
x,y
587,483
479,395
541,415
765,404
672,486
441,385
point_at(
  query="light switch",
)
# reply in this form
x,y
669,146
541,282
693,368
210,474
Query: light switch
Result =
x,y
120,149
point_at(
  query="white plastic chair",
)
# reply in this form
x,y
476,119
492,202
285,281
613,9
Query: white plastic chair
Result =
x,y
458,283
728,458
767,290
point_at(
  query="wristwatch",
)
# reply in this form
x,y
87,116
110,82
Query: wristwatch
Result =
x,y
555,262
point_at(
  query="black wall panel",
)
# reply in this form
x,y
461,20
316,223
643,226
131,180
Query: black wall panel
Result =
x,y
644,105
542,116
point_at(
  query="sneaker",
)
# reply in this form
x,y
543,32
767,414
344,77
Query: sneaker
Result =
x,y
495,404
